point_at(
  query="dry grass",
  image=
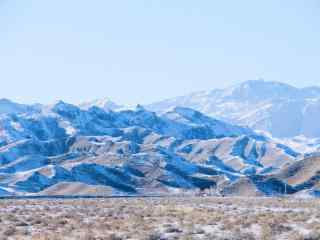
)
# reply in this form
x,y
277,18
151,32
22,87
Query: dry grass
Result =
x,y
154,219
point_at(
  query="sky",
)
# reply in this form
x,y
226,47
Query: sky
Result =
x,y
143,51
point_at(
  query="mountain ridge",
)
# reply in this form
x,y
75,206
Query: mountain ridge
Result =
x,y
131,151
259,104
48,149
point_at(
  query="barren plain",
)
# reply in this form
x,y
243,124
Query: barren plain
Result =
x,y
160,218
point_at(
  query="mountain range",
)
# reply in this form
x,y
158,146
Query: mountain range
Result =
x,y
259,104
101,148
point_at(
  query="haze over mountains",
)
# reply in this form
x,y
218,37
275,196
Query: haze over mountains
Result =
x,y
259,104
98,148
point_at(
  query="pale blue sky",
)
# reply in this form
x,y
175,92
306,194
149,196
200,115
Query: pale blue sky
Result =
x,y
140,51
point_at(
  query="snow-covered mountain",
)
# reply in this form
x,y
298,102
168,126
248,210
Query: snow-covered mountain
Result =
x,y
277,108
104,103
132,151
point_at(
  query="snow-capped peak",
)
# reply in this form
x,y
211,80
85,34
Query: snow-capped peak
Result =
x,y
104,103
259,104
62,106
254,90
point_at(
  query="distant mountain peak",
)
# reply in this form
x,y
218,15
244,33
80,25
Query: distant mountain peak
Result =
x,y
275,107
104,103
62,106
255,90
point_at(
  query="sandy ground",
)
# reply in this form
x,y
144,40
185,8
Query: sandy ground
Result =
x,y
160,218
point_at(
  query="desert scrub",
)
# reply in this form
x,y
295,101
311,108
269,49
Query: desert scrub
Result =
x,y
157,218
